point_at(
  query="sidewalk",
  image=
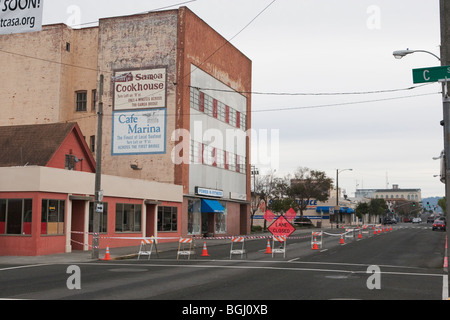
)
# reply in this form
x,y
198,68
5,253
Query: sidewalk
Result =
x,y
120,253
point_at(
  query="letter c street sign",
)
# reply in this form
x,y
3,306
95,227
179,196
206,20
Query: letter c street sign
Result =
x,y
432,74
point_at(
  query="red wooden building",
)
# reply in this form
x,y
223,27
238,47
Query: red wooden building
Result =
x,y
47,178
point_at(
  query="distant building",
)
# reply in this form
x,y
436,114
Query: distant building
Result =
x,y
395,193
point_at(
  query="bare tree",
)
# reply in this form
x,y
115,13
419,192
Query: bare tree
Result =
x,y
265,189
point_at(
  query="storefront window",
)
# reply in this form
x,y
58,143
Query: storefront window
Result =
x,y
167,218
103,218
15,216
128,217
221,220
194,216
52,221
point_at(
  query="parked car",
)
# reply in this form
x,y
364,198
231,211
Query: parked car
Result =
x,y
304,222
389,221
431,219
416,220
439,225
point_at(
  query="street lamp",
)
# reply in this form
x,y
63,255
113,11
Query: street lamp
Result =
x,y
398,54
337,190
446,110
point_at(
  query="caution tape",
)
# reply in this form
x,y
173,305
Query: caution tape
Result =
x,y
228,237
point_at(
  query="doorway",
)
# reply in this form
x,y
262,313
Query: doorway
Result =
x,y
150,230
78,224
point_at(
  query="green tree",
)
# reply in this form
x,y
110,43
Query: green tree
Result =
x,y
377,207
307,185
361,209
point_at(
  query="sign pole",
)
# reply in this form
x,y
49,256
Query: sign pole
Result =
x,y
446,111
98,174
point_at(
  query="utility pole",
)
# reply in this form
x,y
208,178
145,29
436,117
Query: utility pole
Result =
x,y
98,176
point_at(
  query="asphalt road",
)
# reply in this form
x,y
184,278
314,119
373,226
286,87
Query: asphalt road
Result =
x,y
405,264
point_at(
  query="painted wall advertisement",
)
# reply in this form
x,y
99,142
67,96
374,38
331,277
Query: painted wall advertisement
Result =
x,y
140,89
139,132
139,117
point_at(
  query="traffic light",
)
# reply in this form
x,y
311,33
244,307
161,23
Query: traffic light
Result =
x,y
414,204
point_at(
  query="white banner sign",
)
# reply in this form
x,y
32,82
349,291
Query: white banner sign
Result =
x,y
140,89
19,16
139,132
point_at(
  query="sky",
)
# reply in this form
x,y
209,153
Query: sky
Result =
x,y
325,49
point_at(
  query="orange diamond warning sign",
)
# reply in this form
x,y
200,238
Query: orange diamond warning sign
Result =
x,y
281,227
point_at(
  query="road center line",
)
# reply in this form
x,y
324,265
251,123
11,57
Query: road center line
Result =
x,y
205,266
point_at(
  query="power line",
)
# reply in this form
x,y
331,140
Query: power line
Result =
x,y
277,109
311,93
344,103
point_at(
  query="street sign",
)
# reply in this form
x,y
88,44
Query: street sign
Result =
x,y
281,227
269,215
432,74
290,214
99,208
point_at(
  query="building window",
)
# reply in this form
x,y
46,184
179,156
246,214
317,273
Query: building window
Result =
x,y
15,216
103,224
238,119
94,99
227,159
53,213
68,46
128,217
221,220
243,122
221,111
92,143
70,162
167,218
201,102
215,109
194,216
81,104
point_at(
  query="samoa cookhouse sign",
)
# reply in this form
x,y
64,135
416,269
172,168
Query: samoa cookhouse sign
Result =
x,y
139,117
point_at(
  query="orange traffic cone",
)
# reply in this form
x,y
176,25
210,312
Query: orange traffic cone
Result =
x,y
107,256
268,248
342,240
205,251
315,247
359,235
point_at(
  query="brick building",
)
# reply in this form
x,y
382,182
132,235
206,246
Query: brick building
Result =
x,y
174,111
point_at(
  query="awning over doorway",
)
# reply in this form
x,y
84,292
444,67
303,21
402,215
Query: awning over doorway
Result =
x,y
212,206
341,210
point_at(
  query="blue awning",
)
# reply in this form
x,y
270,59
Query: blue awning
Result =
x,y
341,210
212,206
